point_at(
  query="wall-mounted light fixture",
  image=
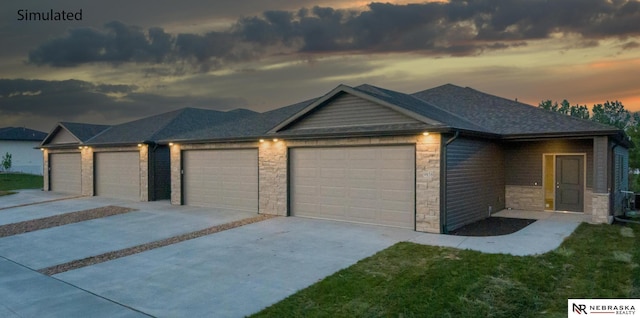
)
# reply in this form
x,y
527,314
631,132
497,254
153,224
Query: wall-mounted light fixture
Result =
x,y
80,147
139,145
261,140
170,144
425,133
275,139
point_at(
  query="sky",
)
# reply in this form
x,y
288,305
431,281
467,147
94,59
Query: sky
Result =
x,y
118,60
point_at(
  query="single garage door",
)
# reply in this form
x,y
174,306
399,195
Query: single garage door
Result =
x,y
118,175
65,173
374,185
221,178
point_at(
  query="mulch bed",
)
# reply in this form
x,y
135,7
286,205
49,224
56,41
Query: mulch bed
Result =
x,y
492,226
62,219
92,260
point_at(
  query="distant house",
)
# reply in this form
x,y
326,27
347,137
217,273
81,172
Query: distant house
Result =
x,y
432,161
22,144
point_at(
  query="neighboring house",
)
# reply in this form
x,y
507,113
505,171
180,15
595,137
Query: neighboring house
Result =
x,y
432,161
22,144
121,161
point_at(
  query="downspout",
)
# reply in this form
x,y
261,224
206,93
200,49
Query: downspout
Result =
x,y
443,183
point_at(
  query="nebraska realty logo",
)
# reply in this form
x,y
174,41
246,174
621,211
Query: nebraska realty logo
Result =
x,y
603,307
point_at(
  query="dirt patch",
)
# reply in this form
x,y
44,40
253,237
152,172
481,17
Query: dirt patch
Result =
x,y
62,219
57,269
492,226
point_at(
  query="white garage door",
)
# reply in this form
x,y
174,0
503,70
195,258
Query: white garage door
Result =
x,y
65,173
221,178
118,175
357,184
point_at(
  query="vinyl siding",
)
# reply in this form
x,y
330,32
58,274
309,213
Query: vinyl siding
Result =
x,y
523,160
63,137
620,177
350,111
474,181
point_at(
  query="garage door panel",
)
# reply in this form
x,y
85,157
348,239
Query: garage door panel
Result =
x,y
353,183
221,178
118,175
66,172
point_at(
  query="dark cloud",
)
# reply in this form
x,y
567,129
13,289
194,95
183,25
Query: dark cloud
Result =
x,y
454,28
72,100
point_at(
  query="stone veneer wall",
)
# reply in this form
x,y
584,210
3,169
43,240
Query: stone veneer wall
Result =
x,y
600,203
272,167
524,198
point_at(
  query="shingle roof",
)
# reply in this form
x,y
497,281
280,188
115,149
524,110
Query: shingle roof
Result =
x,y
164,125
503,116
253,125
21,133
421,107
83,131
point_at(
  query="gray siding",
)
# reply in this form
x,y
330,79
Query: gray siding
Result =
x,y
350,111
63,137
474,181
159,174
601,161
523,160
620,178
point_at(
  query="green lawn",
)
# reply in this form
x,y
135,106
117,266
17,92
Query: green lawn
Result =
x,y
411,280
17,181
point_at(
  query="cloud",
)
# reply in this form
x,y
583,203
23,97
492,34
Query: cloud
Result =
x,y
74,100
455,28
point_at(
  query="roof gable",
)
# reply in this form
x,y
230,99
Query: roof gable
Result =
x,y
347,110
66,133
334,104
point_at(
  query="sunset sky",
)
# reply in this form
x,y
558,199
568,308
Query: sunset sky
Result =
x,y
129,59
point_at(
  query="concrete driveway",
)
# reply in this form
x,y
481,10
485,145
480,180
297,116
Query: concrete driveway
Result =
x,y
228,274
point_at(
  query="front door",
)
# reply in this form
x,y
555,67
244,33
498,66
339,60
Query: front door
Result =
x,y
569,183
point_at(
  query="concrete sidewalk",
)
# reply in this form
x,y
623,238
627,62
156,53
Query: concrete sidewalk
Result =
x,y
544,235
31,196
25,293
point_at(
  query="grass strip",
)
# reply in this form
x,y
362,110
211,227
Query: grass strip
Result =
x,y
6,192
411,280
92,260
17,181
62,219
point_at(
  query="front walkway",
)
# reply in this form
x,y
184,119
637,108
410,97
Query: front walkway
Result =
x,y
542,236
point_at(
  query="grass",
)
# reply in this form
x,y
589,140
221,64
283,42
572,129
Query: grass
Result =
x,y
17,181
411,280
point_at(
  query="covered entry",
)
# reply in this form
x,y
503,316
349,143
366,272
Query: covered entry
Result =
x,y
374,185
564,182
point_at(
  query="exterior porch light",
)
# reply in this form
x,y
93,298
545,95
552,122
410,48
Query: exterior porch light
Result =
x,y
80,147
275,139
426,133
86,147
41,149
139,145
170,144
261,140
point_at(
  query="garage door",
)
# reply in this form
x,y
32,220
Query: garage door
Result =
x,y
357,184
65,173
221,178
118,175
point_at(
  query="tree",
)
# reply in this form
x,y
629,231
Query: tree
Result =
x,y
6,162
611,113
580,111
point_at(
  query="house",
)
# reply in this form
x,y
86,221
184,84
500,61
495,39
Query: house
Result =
x,y
120,161
22,144
431,161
